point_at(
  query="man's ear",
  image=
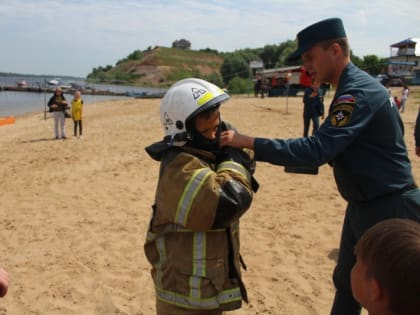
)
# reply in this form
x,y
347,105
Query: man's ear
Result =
x,y
336,49
376,292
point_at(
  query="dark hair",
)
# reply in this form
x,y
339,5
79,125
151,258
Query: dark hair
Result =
x,y
342,42
206,114
391,252
209,112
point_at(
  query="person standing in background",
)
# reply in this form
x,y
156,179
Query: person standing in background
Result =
x,y
313,107
76,113
404,98
57,105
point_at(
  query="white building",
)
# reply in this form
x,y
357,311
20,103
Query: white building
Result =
x,y
404,60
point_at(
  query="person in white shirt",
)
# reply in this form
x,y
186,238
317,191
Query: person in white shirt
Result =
x,y
404,98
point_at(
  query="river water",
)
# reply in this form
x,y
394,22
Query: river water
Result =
x,y
19,103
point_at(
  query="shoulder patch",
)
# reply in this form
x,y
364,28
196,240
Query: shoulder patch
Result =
x,y
341,111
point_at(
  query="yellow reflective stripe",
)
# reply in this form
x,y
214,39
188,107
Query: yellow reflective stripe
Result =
x,y
205,98
189,193
224,297
160,245
199,264
235,167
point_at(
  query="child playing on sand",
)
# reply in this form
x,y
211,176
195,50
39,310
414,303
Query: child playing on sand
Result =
x,y
76,112
386,277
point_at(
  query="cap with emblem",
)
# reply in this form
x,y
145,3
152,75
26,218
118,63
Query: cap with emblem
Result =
x,y
323,30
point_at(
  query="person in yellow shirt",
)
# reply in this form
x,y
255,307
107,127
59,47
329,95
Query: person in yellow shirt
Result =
x,y
76,112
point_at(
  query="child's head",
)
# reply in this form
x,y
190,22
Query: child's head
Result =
x,y
386,276
77,95
190,113
207,123
58,91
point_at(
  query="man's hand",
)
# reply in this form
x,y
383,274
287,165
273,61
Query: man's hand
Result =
x,y
236,140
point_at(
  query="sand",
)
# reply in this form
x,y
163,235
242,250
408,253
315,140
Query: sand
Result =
x,y
74,213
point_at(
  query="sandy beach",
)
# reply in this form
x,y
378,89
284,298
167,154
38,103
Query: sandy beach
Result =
x,y
74,213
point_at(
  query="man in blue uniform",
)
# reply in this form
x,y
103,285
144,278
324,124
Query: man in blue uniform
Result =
x,y
362,139
313,107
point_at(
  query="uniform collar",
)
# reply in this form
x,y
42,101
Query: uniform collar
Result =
x,y
347,73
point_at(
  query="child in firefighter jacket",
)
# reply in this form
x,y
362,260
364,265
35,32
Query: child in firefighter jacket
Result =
x,y
193,238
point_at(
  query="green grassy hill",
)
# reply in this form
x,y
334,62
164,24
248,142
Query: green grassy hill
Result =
x,y
161,67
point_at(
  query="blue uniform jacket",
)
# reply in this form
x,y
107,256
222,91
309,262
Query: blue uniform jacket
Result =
x,y
362,139
313,106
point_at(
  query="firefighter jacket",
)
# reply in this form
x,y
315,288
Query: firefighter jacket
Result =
x,y
193,238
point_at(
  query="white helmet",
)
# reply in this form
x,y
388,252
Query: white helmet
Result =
x,y
183,101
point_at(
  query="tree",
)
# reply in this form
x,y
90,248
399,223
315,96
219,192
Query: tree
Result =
x,y
285,50
234,65
269,56
356,60
181,44
135,55
238,85
373,64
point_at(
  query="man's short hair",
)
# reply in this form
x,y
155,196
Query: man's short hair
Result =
x,y
391,252
342,42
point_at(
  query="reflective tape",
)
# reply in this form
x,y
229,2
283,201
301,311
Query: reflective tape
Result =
x,y
224,297
199,264
235,167
190,191
160,245
205,98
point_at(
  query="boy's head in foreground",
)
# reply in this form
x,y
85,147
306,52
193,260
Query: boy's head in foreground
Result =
x,y
386,277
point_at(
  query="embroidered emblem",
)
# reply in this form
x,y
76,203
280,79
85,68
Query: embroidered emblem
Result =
x,y
341,111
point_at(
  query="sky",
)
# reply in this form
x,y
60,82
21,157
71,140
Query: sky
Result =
x,y
71,37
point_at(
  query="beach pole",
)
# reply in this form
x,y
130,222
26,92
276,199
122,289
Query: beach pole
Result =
x,y
287,91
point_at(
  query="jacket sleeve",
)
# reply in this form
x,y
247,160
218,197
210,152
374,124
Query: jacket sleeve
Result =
x,y
235,198
51,101
345,122
190,193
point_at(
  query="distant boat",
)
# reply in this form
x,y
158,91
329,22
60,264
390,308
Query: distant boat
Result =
x,y
53,82
22,83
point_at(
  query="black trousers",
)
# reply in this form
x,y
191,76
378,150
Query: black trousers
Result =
x,y
306,121
77,122
360,217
